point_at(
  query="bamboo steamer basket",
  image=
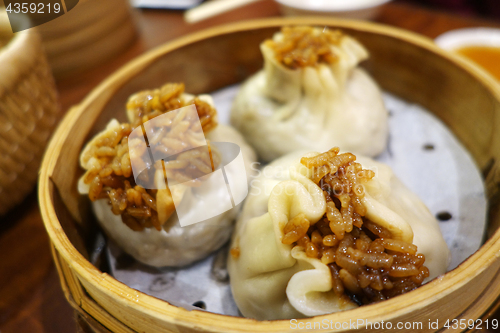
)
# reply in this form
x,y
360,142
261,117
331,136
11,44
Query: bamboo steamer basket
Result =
x,y
403,63
28,110
87,35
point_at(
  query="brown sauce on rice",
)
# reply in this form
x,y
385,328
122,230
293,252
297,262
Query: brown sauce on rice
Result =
x,y
305,46
366,263
112,179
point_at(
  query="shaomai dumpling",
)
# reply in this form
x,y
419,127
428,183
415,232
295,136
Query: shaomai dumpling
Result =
x,y
321,233
142,213
311,95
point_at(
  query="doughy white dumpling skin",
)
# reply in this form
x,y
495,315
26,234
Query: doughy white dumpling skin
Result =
x,y
280,110
173,245
271,280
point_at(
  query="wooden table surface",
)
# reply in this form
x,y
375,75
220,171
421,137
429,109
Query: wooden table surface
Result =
x,y
30,296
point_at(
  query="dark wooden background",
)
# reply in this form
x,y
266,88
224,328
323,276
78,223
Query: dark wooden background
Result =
x,y
30,296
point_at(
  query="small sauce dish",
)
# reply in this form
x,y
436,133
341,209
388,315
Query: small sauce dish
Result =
x,y
353,9
481,45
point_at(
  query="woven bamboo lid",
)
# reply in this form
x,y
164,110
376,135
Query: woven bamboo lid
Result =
x,y
28,110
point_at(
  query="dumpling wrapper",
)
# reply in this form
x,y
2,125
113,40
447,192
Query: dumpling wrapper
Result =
x,y
271,280
280,110
173,245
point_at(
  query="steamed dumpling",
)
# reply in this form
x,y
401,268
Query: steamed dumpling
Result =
x,y
144,222
329,232
311,94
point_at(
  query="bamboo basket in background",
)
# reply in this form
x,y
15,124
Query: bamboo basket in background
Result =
x,y
28,110
405,64
87,35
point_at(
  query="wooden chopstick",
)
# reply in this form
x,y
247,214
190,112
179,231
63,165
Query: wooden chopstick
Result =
x,y
212,8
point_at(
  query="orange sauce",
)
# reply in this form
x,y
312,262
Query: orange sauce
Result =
x,y
486,56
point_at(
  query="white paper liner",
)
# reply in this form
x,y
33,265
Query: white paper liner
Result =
x,y
423,153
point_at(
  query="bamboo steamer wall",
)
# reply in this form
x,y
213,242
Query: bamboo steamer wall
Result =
x,y
461,94
87,35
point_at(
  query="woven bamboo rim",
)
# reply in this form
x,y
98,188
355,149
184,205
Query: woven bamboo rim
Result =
x,y
28,113
476,280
